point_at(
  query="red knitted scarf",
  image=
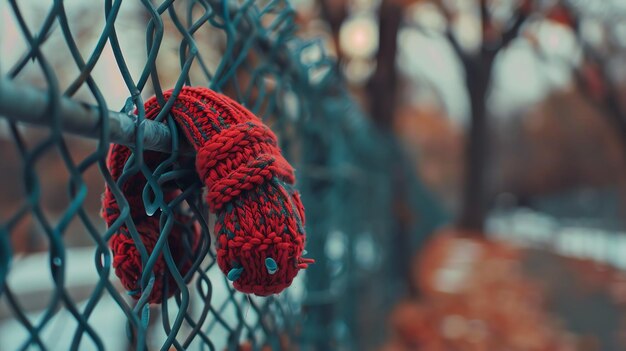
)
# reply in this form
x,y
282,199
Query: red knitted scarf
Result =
x,y
260,218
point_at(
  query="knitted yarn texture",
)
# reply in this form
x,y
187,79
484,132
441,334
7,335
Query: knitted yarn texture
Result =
x,y
259,215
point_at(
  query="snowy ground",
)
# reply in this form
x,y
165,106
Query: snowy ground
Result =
x,y
534,229
30,280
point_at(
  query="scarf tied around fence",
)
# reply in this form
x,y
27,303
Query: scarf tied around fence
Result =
x,y
259,225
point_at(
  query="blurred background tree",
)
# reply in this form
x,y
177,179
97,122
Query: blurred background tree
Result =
x,y
480,82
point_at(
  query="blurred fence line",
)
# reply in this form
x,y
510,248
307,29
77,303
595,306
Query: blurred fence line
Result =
x,y
366,209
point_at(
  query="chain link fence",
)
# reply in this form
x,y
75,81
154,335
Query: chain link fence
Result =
x,y
83,68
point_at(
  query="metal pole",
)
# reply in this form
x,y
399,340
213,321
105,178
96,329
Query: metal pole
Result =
x,y
26,104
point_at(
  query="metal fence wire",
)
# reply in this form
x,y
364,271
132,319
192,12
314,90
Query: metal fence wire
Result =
x,y
83,68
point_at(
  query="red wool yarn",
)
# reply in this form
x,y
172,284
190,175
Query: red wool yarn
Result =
x,y
126,257
260,219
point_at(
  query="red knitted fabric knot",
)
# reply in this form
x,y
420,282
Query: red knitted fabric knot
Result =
x,y
128,267
126,257
260,218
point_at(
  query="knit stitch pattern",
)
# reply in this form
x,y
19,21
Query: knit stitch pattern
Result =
x,y
126,257
260,219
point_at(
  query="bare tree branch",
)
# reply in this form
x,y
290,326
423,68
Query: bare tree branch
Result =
x,y
515,29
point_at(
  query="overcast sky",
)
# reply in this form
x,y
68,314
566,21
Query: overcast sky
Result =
x,y
520,77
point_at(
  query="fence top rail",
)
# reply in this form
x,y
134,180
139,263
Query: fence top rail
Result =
x,y
21,103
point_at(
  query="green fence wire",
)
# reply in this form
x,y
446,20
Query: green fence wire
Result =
x,y
368,214
366,210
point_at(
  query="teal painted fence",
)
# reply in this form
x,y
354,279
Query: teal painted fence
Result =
x,y
366,210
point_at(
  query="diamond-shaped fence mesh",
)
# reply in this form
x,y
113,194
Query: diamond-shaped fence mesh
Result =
x,y
84,68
